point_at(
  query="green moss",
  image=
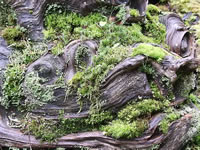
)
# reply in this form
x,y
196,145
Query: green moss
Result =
x,y
185,6
171,116
150,51
134,13
49,130
35,93
153,10
119,129
152,26
12,87
81,56
12,34
121,14
8,16
87,83
15,72
58,48
143,108
156,92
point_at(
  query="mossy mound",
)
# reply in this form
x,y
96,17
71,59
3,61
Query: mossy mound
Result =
x,y
115,40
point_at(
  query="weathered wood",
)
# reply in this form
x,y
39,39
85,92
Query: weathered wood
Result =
x,y
180,131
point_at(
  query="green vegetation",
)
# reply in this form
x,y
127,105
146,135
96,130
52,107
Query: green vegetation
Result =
x,y
184,6
132,120
171,115
87,83
114,40
120,129
15,72
35,93
151,51
8,17
139,109
152,26
81,56
13,34
134,13
49,130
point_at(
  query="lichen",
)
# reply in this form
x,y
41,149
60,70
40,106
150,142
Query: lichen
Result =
x,y
185,84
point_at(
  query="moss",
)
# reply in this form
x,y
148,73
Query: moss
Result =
x,y
15,72
87,83
131,121
154,52
12,87
156,92
152,26
134,13
140,109
171,116
49,130
119,129
153,10
35,93
185,84
121,14
58,48
185,6
81,56
8,16
12,34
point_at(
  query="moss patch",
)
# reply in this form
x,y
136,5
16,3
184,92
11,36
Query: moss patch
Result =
x,y
150,51
49,130
132,120
171,116
15,72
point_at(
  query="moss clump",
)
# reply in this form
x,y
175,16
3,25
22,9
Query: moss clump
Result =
x,y
150,51
8,16
58,48
12,34
15,72
185,6
152,26
171,116
12,87
49,130
35,93
119,129
87,83
134,13
143,108
81,57
128,125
